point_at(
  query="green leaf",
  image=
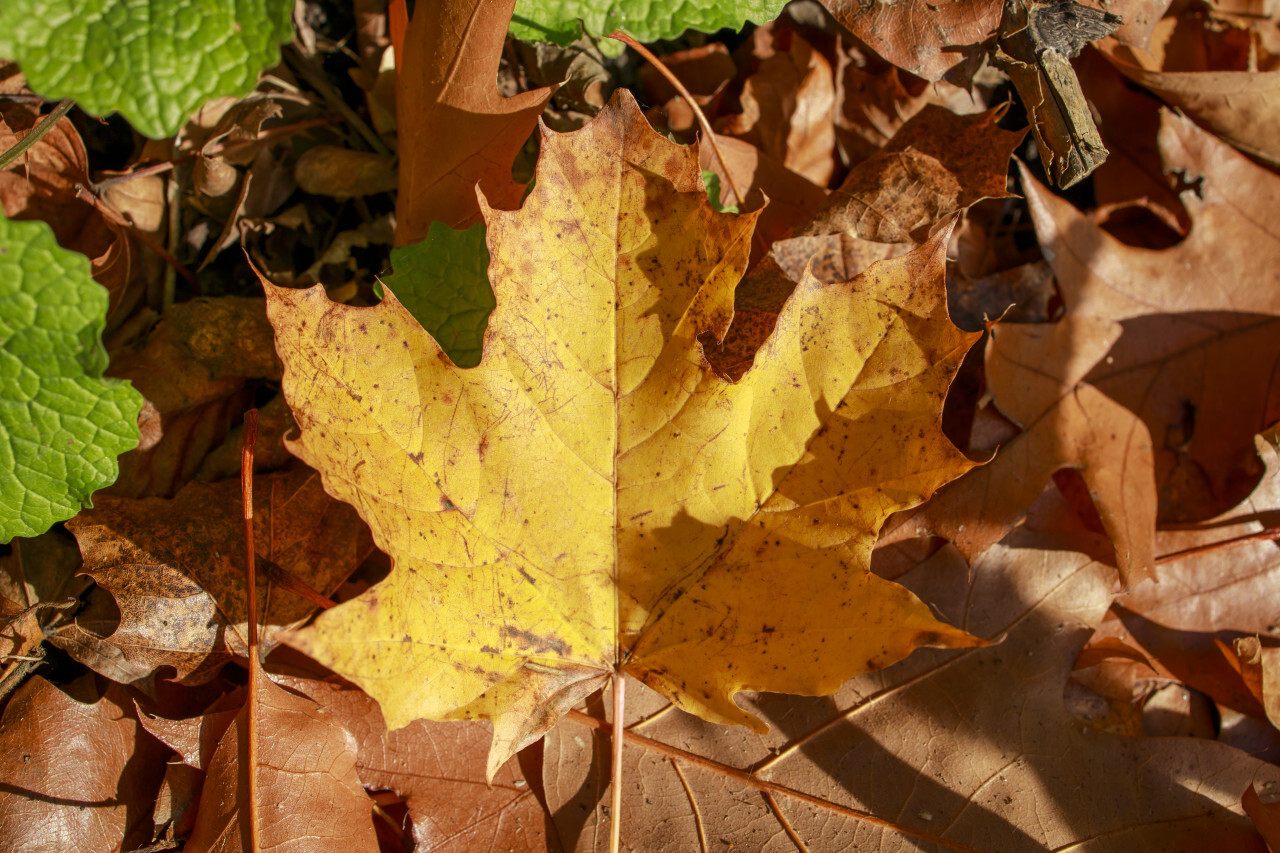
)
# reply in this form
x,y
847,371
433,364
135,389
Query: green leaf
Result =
x,y
61,424
644,20
153,61
444,282
712,181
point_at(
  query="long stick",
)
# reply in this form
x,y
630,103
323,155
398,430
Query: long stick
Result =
x,y
619,35
46,124
255,666
615,783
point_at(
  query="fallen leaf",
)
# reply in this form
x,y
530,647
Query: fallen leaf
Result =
x,y
1261,666
439,770
194,366
700,530
454,128
1241,107
187,608
937,164
787,106
931,40
309,796
1145,335
79,774
1202,602
935,752
343,173
1265,814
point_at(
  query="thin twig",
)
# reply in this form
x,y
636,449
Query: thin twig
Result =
x,y
46,124
751,781
1271,533
619,35
255,665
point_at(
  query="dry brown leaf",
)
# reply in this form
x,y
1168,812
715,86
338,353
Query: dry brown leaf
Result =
x,y
1146,334
938,745
454,128
1242,107
78,773
343,173
310,799
1217,596
788,106
193,367
937,164
175,567
438,768
935,40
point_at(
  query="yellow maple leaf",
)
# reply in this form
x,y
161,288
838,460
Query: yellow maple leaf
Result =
x,y
593,497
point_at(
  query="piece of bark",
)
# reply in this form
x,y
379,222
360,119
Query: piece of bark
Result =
x,y
1037,43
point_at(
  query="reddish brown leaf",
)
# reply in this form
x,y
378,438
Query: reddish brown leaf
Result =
x,y
932,40
454,128
438,768
787,106
193,367
78,773
310,799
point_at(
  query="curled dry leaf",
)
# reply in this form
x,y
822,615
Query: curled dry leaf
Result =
x,y
594,492
788,107
938,748
1241,107
1145,336
175,567
310,799
79,773
450,115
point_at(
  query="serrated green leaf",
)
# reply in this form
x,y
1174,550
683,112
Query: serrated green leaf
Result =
x,y
153,61
444,282
61,424
712,182
644,20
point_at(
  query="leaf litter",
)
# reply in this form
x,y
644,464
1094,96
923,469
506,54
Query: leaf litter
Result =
x,y
1138,356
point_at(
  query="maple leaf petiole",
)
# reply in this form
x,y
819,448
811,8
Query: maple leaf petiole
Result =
x,y
255,670
615,781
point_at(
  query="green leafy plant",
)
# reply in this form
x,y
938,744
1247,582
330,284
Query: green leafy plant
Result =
x,y
153,61
62,424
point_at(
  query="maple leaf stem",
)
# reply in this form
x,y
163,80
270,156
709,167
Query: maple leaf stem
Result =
x,y
615,782
619,35
1269,533
246,494
762,785
255,670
